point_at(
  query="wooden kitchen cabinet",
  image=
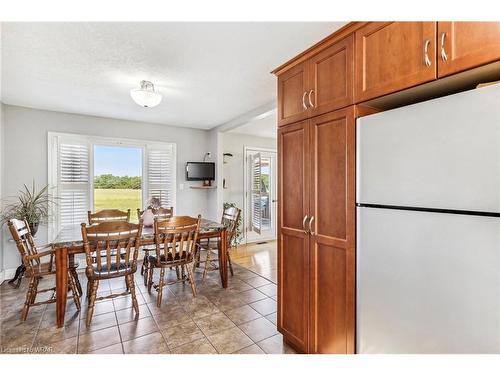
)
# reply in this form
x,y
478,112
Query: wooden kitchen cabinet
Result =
x,y
466,45
316,257
332,237
392,56
320,84
331,77
293,239
292,95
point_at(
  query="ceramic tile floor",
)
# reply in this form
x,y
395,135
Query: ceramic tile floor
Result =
x,y
240,319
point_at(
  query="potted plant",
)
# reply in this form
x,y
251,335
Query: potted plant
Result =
x,y
31,205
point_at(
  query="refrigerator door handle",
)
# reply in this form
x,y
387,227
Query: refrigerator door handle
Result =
x,y
304,225
311,220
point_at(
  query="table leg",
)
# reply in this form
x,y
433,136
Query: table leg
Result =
x,y
61,285
223,258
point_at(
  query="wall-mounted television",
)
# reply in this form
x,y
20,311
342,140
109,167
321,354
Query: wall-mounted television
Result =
x,y
200,171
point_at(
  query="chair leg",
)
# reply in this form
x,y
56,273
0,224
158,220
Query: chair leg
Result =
x,y
131,286
207,262
150,277
35,289
191,279
145,275
160,287
145,262
92,297
229,261
89,289
74,274
29,297
74,291
177,272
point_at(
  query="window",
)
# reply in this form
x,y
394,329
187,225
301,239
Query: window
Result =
x,y
71,175
117,178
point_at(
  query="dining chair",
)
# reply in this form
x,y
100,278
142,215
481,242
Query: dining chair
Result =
x,y
33,257
160,213
108,215
175,242
111,250
230,219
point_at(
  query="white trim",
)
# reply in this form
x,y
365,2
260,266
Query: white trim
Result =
x,y
245,189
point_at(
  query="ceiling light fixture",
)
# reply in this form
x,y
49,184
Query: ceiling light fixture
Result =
x,y
146,96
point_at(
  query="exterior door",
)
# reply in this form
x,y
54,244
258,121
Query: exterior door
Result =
x,y
332,258
292,95
465,45
293,239
392,56
260,213
331,77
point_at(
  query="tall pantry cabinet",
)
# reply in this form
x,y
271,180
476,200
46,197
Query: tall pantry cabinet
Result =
x,y
316,259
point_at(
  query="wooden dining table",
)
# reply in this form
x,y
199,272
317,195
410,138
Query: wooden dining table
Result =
x,y
69,242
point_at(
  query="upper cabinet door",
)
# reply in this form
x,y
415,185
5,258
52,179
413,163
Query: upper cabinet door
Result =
x,y
292,95
331,77
466,45
392,56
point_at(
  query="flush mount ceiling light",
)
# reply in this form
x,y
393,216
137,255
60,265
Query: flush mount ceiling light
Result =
x,y
146,96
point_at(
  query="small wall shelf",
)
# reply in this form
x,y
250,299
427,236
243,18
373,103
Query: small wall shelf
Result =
x,y
203,187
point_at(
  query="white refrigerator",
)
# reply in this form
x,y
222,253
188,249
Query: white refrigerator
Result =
x,y
428,227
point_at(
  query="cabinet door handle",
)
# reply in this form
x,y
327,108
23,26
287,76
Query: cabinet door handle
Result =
x,y
444,55
311,220
304,100
426,53
310,101
304,224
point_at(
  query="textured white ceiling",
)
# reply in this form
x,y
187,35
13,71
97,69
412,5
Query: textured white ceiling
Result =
x,y
266,127
209,73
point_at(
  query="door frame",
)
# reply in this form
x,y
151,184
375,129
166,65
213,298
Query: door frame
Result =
x,y
274,193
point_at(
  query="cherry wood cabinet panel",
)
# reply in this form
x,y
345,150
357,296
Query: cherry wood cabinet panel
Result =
x,y
331,77
293,241
332,265
293,291
292,95
391,56
466,45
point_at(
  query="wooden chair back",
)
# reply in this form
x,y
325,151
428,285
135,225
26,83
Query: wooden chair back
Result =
x,y
21,233
108,215
111,247
161,213
230,218
175,239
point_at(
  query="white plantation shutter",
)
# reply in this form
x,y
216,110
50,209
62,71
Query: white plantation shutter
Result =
x,y
73,181
161,173
256,193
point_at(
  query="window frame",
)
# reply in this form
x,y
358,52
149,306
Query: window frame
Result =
x,y
53,139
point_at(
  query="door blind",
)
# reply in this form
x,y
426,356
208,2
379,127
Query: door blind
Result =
x,y
256,193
